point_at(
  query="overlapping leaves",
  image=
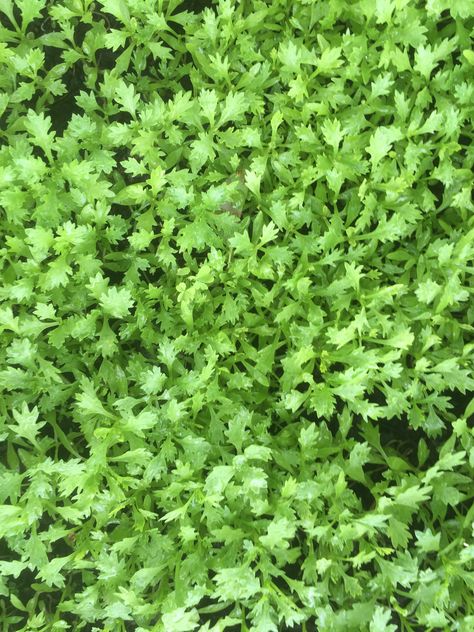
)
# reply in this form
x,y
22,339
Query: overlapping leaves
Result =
x,y
236,318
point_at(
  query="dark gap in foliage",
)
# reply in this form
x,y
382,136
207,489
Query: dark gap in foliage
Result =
x,y
437,189
76,439
456,54
5,22
122,245
113,528
448,523
61,112
120,210
333,423
38,152
115,277
277,370
167,95
3,462
152,67
310,626
395,435
336,367
5,119
291,570
186,83
21,586
64,106
376,396
5,552
460,401
120,117
451,518
340,204
106,59
240,367
267,283
179,257
45,25
196,256
303,387
96,364
363,494
230,125
71,619
374,473
80,32
195,6
342,26
304,229
52,57
444,18
62,546
435,163
48,431
121,154
213,617
399,436
130,178
109,20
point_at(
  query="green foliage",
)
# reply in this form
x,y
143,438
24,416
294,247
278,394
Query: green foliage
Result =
x,y
236,353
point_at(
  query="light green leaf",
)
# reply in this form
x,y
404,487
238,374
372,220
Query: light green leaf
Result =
x,y
117,8
381,142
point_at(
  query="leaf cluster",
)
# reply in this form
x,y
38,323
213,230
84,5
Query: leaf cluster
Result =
x,y
236,317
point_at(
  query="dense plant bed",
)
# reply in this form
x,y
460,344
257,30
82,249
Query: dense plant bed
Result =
x,y
236,314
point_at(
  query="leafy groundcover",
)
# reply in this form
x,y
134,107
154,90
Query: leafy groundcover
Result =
x,y
236,351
